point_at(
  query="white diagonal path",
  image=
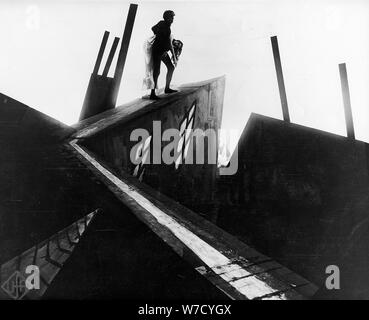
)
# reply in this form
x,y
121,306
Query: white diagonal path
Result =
x,y
248,285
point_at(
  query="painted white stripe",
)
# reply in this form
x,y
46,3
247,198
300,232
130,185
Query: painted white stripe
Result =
x,y
250,286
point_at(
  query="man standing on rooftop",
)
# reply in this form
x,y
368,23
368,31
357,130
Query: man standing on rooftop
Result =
x,y
162,44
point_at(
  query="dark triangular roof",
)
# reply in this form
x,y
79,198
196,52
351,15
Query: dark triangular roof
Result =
x,y
23,121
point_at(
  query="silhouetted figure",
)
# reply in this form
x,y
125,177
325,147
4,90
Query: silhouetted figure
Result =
x,y
162,44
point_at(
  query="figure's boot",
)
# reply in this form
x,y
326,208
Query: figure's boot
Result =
x,y
169,90
153,95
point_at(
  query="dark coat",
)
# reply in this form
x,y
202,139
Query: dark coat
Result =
x,y
162,41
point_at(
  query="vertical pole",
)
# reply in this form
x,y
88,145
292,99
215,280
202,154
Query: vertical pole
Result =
x,y
124,49
101,52
346,101
110,57
278,69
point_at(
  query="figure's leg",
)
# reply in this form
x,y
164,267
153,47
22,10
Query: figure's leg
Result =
x,y
156,71
168,63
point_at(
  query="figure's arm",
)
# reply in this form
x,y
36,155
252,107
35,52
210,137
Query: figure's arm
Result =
x,y
156,28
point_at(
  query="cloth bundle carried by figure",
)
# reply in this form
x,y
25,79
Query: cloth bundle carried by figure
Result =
x,y
148,81
177,47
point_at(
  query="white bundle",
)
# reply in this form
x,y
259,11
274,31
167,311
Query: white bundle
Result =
x,y
148,81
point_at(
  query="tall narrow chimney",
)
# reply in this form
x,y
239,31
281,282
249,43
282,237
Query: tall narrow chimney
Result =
x,y
278,69
346,101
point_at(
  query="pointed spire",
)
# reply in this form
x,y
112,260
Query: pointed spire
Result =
x,y
49,256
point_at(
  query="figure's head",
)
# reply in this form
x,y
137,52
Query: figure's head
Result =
x,y
168,16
